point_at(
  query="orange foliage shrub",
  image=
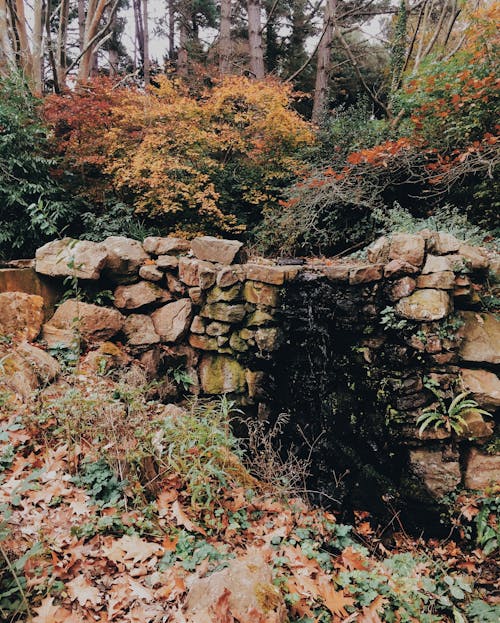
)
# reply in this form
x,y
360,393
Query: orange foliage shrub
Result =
x,y
209,163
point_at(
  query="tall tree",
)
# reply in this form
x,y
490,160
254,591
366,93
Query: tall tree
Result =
x,y
225,37
255,39
324,60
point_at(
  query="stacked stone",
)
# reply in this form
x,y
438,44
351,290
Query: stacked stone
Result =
x,y
200,303
193,297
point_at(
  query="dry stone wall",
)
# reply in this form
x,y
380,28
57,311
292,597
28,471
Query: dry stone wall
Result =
x,y
203,308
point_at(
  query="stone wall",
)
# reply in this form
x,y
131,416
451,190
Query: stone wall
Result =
x,y
377,336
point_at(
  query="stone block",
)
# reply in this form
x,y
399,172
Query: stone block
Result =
x,y
172,321
215,249
125,257
230,275
27,280
475,256
21,314
220,374
483,385
425,305
167,262
274,275
203,342
261,293
446,243
366,273
440,281
68,257
480,335
481,470
438,475
337,273
224,312
401,288
150,273
399,268
168,245
197,273
408,247
139,295
378,251
140,330
92,322
217,295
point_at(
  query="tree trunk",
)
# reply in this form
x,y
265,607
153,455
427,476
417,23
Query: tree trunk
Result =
x,y
62,42
225,38
37,47
25,59
255,39
93,36
81,23
182,55
145,33
324,61
6,49
171,30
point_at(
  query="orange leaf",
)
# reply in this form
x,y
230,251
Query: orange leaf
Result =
x,y
353,560
370,613
334,600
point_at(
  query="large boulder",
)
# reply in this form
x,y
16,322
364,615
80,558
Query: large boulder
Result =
x,y
21,313
408,247
139,295
483,385
243,592
220,374
168,245
26,368
438,475
91,322
215,250
425,305
481,469
172,320
26,279
481,337
68,257
125,257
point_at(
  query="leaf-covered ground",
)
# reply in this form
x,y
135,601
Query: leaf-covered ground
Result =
x,y
113,505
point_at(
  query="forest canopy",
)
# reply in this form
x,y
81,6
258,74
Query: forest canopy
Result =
x,y
298,126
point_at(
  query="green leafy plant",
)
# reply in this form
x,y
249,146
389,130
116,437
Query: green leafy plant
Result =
x,y
181,377
390,320
100,481
450,417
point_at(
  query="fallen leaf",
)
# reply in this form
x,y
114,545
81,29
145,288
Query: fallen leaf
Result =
x,y
334,600
46,613
370,613
220,609
131,548
81,589
183,520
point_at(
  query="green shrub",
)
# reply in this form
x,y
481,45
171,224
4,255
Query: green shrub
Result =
x,y
31,209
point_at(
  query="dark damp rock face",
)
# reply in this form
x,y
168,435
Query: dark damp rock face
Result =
x,y
341,403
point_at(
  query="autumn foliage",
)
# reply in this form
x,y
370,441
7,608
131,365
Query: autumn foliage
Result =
x,y
210,163
441,147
